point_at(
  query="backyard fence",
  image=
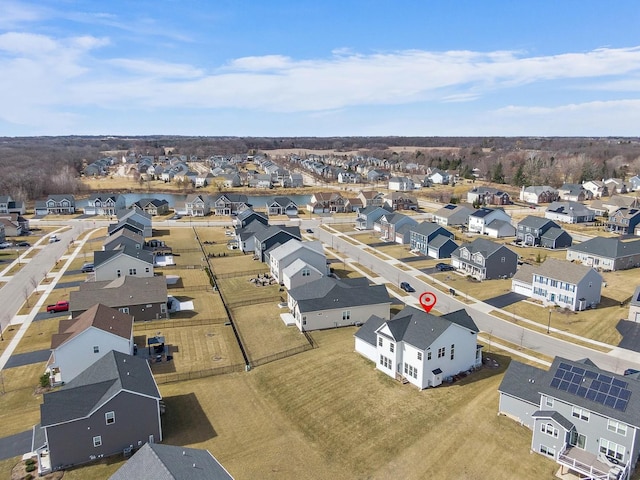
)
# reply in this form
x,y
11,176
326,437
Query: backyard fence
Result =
x,y
195,374
178,322
280,355
245,273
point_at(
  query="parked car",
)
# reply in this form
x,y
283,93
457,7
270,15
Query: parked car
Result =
x,y
59,306
87,267
23,244
309,230
176,217
444,267
6,244
407,287
54,239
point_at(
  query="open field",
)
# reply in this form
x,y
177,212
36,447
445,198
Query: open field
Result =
x,y
19,404
38,335
239,290
241,263
264,333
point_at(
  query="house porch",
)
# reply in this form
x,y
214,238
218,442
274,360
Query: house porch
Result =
x,y
587,465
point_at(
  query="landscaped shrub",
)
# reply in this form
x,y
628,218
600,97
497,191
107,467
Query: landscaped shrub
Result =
x,y
29,461
30,468
44,380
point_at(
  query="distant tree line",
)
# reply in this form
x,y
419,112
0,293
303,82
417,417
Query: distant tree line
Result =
x,y
34,167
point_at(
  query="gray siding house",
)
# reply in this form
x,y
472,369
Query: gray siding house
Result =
x,y
485,260
531,231
452,215
606,253
582,417
112,405
432,240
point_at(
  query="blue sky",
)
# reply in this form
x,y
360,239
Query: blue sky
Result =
x,y
301,68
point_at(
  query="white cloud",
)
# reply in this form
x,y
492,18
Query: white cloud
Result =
x,y
157,69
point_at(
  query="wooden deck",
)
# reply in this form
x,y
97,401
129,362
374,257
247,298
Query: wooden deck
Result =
x,y
584,463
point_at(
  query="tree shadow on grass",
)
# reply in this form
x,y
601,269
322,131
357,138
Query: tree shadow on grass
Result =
x,y
185,422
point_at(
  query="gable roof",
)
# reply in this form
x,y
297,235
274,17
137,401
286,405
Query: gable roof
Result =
x,y
296,266
554,233
102,256
124,232
451,209
97,384
328,293
483,246
99,316
126,290
272,230
421,329
427,228
608,247
523,381
484,211
168,462
295,245
537,223
573,209
563,270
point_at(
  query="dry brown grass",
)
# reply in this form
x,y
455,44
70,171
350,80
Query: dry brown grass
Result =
x,y
38,335
263,332
20,405
240,289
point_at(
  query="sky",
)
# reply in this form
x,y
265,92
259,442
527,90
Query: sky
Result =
x,y
320,68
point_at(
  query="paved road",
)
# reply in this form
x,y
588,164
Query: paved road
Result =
x,y
15,445
13,294
20,359
492,326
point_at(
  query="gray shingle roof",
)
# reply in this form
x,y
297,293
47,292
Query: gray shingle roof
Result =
x,y
440,240
167,462
123,291
450,209
102,256
367,332
95,385
563,270
555,416
523,382
328,293
421,329
481,245
537,223
608,247
553,233
573,209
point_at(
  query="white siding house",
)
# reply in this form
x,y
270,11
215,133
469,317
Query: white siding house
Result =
x,y
112,264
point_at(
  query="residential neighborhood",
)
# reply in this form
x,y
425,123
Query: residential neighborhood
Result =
x,y
150,292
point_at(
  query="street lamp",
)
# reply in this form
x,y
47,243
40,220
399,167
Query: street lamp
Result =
x,y
549,322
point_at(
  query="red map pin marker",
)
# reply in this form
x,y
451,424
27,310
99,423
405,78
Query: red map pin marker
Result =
x,y
427,300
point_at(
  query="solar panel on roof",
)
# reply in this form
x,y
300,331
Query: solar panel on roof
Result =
x,y
595,385
604,388
590,374
555,382
600,397
582,391
610,401
564,385
559,374
573,388
605,378
591,394
620,383
578,370
621,405
615,391
625,394
565,366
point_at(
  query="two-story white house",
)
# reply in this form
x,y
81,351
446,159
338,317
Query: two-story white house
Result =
x,y
401,184
556,282
582,417
82,340
479,220
419,347
104,204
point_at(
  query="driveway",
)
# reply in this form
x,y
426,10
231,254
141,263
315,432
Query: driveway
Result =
x,y
20,359
502,301
15,445
630,332
68,284
47,315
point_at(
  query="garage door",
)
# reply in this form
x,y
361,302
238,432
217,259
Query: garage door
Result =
x,y
522,288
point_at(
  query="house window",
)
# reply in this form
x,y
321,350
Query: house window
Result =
x,y
118,273
391,347
163,307
419,355
146,269
306,272
549,429
97,441
452,351
380,341
547,451
386,362
110,417
580,413
611,449
617,427
124,309
96,349
410,370
503,259
548,402
133,271
346,315
441,352
428,355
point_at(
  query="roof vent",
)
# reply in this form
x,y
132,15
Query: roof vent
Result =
x,y
194,465
184,452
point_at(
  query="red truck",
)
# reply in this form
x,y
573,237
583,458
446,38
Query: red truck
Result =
x,y
59,306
